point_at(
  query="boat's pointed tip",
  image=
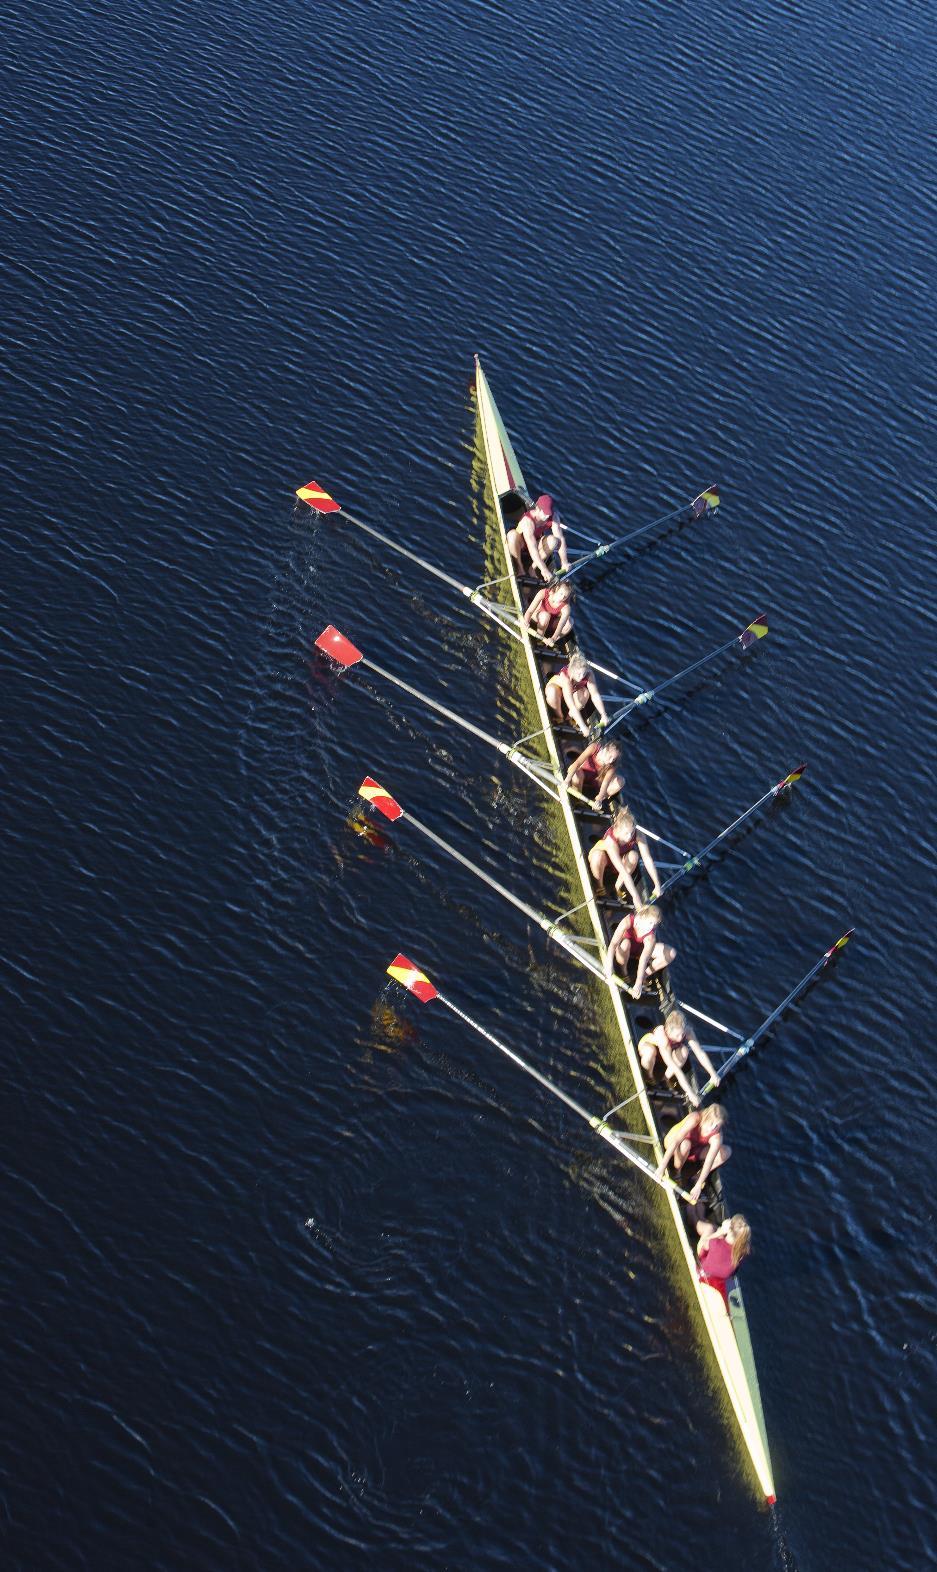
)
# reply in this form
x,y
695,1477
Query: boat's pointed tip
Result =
x,y
771,1500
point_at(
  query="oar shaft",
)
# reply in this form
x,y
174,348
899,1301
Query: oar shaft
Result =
x,y
504,748
622,540
700,856
619,1142
546,923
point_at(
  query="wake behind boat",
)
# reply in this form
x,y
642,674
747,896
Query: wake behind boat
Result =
x,y
649,1019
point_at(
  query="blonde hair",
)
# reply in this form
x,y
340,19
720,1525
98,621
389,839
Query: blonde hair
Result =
x,y
675,1021
716,1115
651,913
624,819
740,1238
577,665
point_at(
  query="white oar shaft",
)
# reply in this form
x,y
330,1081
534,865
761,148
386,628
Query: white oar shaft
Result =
x,y
505,749
619,1142
546,923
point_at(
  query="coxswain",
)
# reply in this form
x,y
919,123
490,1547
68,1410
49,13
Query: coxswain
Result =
x,y
551,612
722,1250
623,847
572,690
595,771
539,530
672,1042
636,934
697,1140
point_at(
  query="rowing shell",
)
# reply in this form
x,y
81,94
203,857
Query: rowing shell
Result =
x,y
724,1318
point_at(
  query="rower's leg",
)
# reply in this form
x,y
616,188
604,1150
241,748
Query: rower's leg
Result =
x,y
553,694
683,1150
598,865
722,1156
647,1048
662,955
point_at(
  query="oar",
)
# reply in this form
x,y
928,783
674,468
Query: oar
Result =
x,y
504,616
410,977
694,862
756,630
746,1046
701,507
380,799
340,649
323,503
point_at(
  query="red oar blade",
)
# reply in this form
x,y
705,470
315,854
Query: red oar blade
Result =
x,y
380,799
792,779
317,498
335,644
756,630
410,977
706,502
839,945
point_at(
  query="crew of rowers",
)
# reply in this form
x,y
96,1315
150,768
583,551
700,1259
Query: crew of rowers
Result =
x,y
697,1142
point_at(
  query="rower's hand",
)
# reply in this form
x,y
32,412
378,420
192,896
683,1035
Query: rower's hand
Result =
x,y
716,1080
655,896
695,1194
635,992
695,1099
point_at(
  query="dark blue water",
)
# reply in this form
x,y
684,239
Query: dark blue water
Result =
x,y
294,1275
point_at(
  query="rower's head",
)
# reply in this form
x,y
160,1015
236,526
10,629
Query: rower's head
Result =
x,y
561,592
739,1236
713,1118
578,667
544,506
607,754
648,917
623,822
675,1026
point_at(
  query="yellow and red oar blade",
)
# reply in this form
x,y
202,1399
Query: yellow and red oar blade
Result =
x,y
792,779
756,630
313,493
410,977
839,945
335,644
373,792
706,502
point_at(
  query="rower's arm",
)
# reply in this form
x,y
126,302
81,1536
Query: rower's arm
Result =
x,y
534,607
679,1075
560,534
624,876
578,763
597,700
671,1141
642,964
563,626
700,1053
612,947
574,707
644,851
530,540
714,1149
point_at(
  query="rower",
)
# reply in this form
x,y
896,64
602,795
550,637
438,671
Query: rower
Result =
x,y
539,530
636,934
595,770
696,1140
623,847
722,1250
672,1043
571,691
551,612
